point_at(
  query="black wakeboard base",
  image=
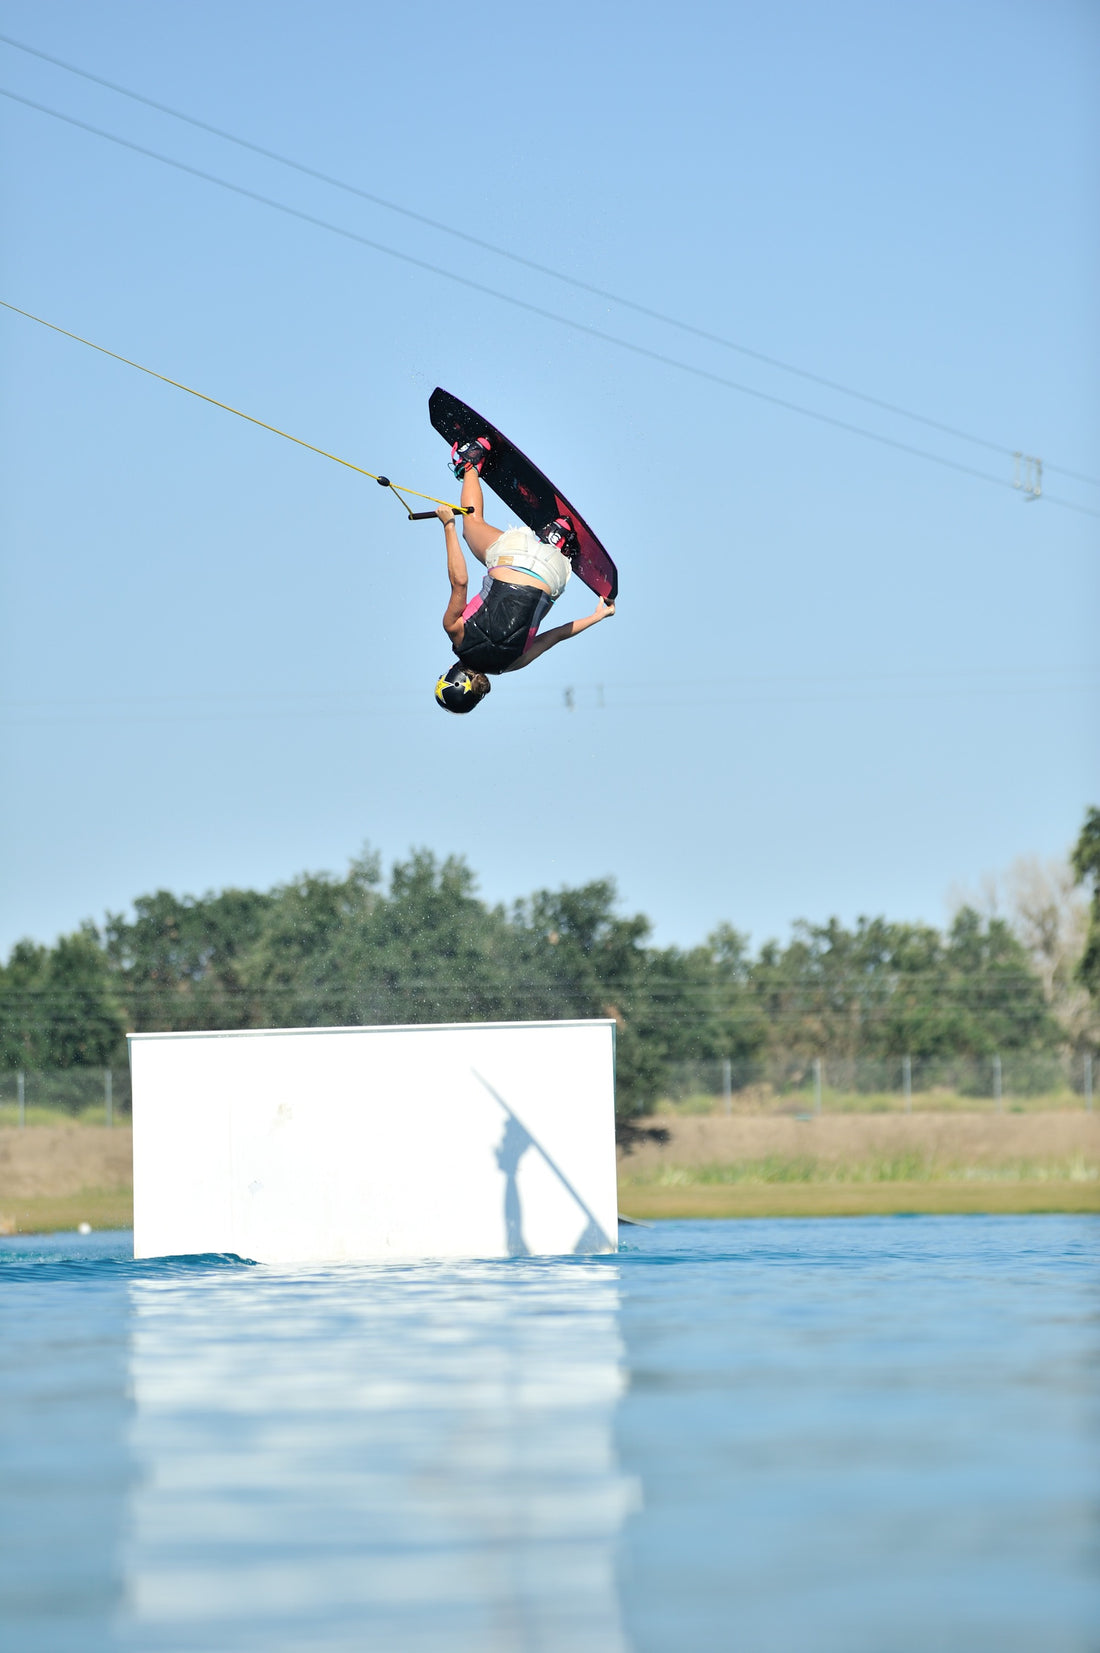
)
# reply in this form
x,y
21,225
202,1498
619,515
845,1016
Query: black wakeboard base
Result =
x,y
523,488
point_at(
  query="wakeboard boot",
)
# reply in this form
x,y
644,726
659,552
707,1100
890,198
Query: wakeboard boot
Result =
x,y
561,535
467,456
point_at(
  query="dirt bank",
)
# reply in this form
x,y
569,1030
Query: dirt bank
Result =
x,y
863,1165
58,1176
977,1139
55,1160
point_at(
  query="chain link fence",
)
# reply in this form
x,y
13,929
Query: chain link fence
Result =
x,y
785,1082
50,1095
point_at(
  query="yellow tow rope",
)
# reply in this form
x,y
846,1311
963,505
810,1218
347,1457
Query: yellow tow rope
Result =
x,y
383,481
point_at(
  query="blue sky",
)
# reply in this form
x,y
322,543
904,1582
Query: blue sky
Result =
x,y
842,678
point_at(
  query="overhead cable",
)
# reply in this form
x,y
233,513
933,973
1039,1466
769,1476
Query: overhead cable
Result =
x,y
533,264
342,706
535,309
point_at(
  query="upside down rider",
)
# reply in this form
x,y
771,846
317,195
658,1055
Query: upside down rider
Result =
x,y
526,572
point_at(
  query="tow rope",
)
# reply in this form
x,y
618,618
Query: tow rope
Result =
x,y
383,481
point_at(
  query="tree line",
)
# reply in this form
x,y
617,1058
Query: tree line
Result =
x,y
421,946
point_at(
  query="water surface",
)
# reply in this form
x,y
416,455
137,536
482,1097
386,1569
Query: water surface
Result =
x,y
873,1435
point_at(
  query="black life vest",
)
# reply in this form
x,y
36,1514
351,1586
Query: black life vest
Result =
x,y
500,624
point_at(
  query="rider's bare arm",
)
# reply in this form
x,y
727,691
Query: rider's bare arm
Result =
x,y
602,611
479,534
456,573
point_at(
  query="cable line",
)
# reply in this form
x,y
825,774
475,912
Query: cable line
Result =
x,y
384,481
262,706
536,309
530,263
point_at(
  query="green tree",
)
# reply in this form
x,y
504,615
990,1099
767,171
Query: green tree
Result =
x,y
831,990
298,970
668,1005
340,952
1086,866
887,990
596,964
328,950
24,1014
60,1007
737,1027
992,998
177,960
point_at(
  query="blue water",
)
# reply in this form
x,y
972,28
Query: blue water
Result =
x,y
867,1436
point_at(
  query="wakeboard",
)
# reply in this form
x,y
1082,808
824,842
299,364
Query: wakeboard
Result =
x,y
524,489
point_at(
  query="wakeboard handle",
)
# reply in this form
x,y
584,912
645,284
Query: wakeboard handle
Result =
x,y
421,516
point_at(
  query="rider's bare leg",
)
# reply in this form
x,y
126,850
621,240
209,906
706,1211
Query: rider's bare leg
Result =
x,y
478,534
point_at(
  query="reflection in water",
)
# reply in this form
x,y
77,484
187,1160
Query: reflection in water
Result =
x,y
397,1458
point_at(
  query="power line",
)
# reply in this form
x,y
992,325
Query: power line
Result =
x,y
698,1002
530,263
741,679
262,714
535,309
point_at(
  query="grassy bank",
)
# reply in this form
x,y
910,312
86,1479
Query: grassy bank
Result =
x,y
50,1213
764,1100
37,1113
107,1208
856,1200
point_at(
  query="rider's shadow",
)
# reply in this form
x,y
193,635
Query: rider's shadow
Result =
x,y
510,1150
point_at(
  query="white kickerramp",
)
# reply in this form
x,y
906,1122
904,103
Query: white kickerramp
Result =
x,y
491,1139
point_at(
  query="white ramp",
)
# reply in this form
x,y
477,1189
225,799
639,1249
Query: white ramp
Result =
x,y
492,1139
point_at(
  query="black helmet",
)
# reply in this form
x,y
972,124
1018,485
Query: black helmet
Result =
x,y
457,690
